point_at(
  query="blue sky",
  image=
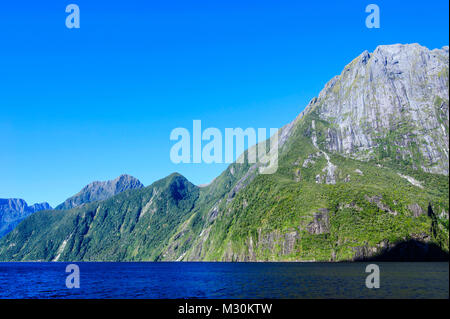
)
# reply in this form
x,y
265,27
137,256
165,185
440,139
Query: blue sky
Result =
x,y
95,102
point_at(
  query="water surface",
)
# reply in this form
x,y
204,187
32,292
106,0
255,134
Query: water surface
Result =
x,y
224,280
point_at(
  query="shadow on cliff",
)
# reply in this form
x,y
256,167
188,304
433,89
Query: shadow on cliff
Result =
x,y
410,250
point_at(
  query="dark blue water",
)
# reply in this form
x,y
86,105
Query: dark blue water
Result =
x,y
224,280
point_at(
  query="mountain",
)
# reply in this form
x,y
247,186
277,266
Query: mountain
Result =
x,y
101,190
129,226
390,105
362,174
14,210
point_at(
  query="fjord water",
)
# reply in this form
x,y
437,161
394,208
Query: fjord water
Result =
x,y
224,280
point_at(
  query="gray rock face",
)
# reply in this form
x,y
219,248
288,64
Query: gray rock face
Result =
x,y
267,242
321,223
378,200
14,210
101,190
392,102
416,209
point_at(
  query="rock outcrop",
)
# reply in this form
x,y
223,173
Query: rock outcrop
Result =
x,y
320,223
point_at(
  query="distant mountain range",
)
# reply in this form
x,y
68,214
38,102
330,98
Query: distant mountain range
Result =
x,y
14,210
362,174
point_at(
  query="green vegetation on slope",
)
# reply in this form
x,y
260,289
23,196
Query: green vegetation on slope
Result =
x,y
368,208
134,225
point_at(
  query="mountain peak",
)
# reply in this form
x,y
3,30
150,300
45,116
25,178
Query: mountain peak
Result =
x,y
399,46
101,190
398,87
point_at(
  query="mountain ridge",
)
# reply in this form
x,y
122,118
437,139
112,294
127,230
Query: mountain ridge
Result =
x,y
14,210
101,190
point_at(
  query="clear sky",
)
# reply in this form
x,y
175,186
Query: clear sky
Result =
x,y
79,105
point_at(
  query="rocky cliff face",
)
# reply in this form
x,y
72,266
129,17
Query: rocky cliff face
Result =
x,y
14,210
376,135
101,190
390,105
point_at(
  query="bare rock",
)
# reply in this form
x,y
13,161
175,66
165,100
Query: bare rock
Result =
x,y
416,209
320,223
